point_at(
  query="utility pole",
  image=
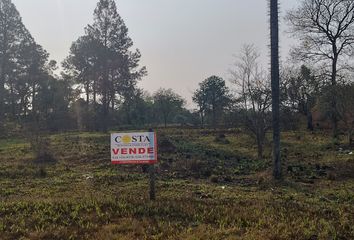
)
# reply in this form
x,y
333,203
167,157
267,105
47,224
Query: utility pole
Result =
x,y
274,35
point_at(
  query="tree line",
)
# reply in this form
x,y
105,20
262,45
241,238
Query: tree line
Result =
x,y
97,87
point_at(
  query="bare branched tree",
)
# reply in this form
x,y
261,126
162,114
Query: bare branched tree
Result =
x,y
326,31
254,95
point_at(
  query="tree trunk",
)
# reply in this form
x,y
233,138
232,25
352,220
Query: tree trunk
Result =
x,y
350,138
2,76
105,113
334,117
94,91
22,106
112,102
105,83
2,94
127,114
105,101
274,33
350,135
309,121
33,98
2,90
87,90
214,116
259,146
94,97
13,101
165,120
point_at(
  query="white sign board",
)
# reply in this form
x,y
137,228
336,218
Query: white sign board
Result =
x,y
134,148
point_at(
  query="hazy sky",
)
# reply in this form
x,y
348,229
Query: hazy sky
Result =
x,y
182,41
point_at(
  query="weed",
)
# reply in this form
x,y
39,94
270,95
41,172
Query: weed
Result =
x,y
205,190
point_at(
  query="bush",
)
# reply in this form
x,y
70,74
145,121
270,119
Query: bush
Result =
x,y
221,138
40,145
214,179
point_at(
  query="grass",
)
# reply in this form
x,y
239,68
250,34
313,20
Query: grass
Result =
x,y
205,190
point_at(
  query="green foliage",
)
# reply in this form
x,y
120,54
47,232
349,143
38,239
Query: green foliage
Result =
x,y
167,104
300,92
103,63
212,98
29,90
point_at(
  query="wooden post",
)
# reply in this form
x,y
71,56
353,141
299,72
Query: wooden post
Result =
x,y
152,182
152,178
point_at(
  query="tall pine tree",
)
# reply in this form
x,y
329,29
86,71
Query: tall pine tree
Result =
x,y
102,62
12,34
26,75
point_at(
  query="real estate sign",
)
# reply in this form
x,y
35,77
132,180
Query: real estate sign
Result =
x,y
134,148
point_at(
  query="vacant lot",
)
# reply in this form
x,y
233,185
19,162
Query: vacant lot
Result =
x,y
208,187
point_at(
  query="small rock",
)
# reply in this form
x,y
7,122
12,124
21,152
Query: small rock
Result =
x,y
88,177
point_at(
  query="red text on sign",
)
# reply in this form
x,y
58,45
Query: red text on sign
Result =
x,y
125,151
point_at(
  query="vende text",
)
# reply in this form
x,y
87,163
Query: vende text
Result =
x,y
125,151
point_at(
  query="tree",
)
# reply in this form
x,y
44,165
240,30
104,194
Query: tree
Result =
x,y
53,99
101,60
80,65
12,34
24,69
274,35
30,93
37,74
199,97
212,97
138,109
253,95
326,31
301,89
345,107
167,103
346,110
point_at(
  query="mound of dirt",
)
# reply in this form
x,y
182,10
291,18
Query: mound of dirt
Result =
x,y
165,145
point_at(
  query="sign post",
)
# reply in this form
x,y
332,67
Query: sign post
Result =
x,y
136,148
152,173
152,182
